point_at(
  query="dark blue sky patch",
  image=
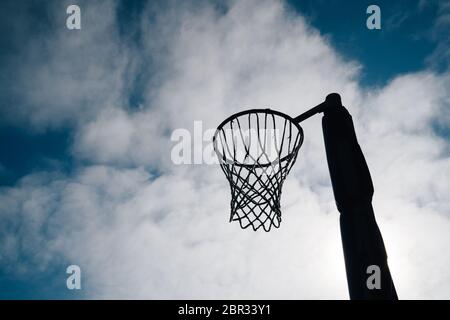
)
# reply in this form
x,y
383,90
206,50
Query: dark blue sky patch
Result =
x,y
402,45
50,284
24,152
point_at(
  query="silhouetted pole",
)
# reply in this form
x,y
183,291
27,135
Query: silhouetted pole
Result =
x,y
353,190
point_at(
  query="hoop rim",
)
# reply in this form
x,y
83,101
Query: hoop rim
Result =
x,y
255,111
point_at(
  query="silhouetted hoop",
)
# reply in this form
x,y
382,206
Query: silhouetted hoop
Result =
x,y
256,150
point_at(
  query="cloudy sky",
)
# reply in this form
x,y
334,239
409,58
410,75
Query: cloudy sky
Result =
x,y
87,116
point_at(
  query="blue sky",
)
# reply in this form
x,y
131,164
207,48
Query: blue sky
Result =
x,y
410,40
403,45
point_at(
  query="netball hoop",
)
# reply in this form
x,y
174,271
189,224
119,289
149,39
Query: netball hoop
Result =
x,y
256,150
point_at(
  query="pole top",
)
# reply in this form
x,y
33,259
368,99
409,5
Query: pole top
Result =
x,y
333,100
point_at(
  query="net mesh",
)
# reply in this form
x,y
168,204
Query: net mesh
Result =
x,y
256,150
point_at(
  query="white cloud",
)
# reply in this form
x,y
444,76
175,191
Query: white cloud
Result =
x,y
62,77
167,236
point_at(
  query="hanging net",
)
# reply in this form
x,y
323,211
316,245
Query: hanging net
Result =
x,y
256,150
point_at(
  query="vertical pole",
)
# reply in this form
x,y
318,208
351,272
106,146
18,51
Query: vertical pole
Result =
x,y
364,251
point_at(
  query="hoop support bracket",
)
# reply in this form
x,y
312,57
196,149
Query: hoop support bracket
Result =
x,y
332,100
